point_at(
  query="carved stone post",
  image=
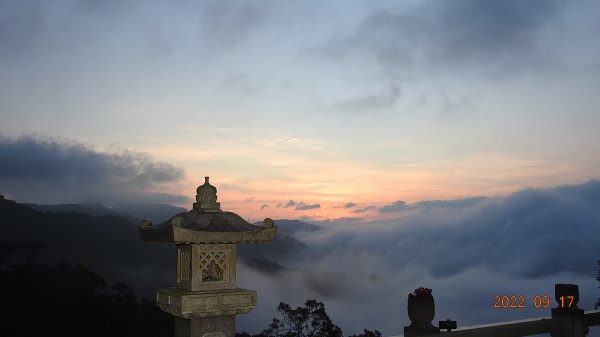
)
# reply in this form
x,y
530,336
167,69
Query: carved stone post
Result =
x,y
205,298
567,319
421,311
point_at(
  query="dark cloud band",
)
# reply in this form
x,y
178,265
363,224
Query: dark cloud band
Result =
x,y
48,170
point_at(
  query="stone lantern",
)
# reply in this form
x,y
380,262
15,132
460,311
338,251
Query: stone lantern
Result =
x,y
205,298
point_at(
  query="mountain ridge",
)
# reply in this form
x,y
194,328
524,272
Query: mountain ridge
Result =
x,y
110,244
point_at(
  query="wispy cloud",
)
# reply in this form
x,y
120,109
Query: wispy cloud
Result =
x,y
387,97
346,205
364,209
301,206
394,207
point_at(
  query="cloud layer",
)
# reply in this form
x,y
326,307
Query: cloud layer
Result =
x,y
490,37
45,170
467,250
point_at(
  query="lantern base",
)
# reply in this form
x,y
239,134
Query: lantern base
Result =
x,y
199,304
205,327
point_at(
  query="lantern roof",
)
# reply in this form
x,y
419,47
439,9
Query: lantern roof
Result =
x,y
207,223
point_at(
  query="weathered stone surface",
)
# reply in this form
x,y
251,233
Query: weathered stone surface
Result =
x,y
205,327
196,304
211,233
206,198
205,267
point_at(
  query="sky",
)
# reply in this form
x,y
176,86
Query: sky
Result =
x,y
445,144
310,105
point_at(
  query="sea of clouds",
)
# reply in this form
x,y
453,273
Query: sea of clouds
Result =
x,y
468,251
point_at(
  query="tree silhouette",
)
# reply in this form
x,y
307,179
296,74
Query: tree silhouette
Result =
x,y
368,333
308,321
73,301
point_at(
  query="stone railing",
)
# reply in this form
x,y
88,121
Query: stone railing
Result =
x,y
566,320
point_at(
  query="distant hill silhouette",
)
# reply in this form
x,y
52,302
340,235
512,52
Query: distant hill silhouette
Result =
x,y
110,245
158,213
91,209
133,212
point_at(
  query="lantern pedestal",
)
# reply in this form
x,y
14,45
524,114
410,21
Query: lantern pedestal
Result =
x,y
199,304
206,327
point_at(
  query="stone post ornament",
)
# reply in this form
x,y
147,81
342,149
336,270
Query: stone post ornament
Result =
x,y
567,319
421,311
205,298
